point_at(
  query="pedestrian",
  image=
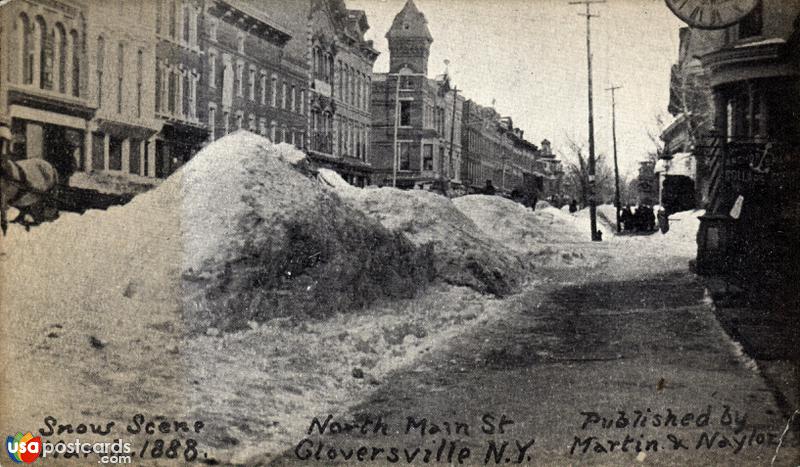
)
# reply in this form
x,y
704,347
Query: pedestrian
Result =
x,y
573,206
489,188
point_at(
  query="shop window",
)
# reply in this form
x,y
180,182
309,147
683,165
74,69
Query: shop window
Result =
x,y
135,157
98,151
114,153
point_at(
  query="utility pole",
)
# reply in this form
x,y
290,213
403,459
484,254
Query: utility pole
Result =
x,y
614,138
452,139
592,200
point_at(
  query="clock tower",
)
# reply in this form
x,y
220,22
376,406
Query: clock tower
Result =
x,y
409,40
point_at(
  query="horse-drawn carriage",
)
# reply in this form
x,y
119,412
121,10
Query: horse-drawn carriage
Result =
x,y
24,184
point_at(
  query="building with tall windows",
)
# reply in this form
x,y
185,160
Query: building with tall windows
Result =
x,y
120,77
340,76
414,117
178,68
44,93
249,82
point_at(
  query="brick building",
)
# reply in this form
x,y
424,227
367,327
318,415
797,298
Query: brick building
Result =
x,y
341,72
424,113
495,150
248,81
177,82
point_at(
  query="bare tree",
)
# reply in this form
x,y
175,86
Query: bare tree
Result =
x,y
576,175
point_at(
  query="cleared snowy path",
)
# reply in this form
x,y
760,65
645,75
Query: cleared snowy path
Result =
x,y
635,335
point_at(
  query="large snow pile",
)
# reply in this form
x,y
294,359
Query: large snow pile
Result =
x,y
237,234
537,234
462,253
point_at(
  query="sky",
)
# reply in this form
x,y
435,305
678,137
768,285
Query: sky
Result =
x,y
529,56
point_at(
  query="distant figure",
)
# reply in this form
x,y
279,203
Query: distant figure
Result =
x,y
626,218
573,206
489,188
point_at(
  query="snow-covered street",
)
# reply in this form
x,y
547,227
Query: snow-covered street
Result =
x,y
251,294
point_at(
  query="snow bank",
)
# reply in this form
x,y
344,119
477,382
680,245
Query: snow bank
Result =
x,y
534,234
462,253
238,234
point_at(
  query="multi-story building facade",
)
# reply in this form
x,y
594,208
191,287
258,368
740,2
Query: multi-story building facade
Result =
x,y
413,116
44,94
551,171
120,78
753,217
495,150
340,76
178,71
248,81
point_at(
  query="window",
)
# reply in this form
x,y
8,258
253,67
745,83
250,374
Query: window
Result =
x,y
120,74
187,21
293,99
101,53
139,82
427,157
252,123
404,155
76,63
212,29
114,153
283,134
406,82
159,86
159,14
212,121
212,68
405,113
272,129
301,103
262,126
26,41
172,89
263,88
61,38
252,84
45,53
173,10
134,156
226,120
283,96
239,120
274,90
237,83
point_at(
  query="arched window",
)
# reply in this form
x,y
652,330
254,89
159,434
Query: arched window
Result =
x,y
25,31
61,44
101,56
45,54
76,63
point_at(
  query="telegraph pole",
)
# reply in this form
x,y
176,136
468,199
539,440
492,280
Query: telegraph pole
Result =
x,y
614,138
452,141
592,201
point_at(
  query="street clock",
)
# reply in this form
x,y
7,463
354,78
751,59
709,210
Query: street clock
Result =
x,y
711,14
